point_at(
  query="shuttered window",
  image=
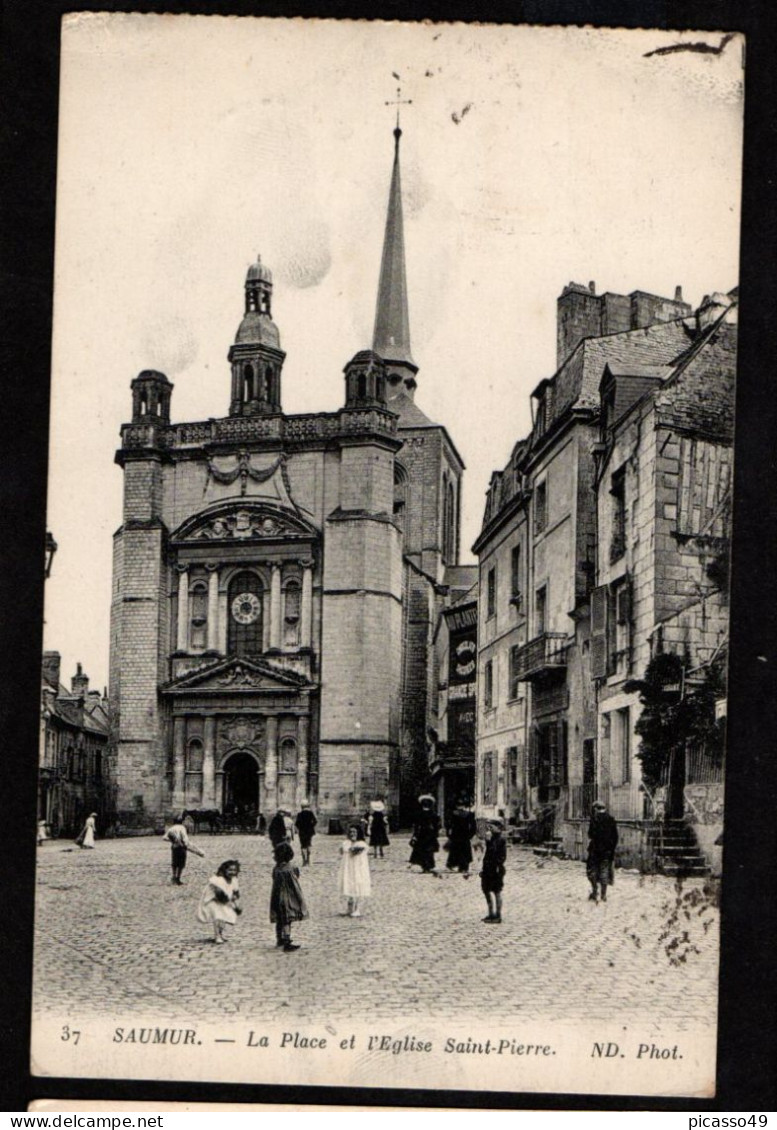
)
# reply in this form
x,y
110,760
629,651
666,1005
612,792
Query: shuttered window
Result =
x,y
599,602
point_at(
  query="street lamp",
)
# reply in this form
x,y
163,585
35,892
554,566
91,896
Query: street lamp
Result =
x,y
51,549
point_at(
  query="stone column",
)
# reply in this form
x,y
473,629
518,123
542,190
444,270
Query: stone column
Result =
x,y
271,766
183,610
223,623
209,765
302,758
179,764
306,615
275,607
213,608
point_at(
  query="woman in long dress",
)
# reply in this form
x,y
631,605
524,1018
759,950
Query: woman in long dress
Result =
x,y
220,900
86,838
462,827
354,877
426,831
376,828
287,903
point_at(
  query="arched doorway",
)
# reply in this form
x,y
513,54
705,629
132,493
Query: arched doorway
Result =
x,y
241,785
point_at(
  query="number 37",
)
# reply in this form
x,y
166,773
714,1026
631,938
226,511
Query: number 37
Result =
x,y
70,1034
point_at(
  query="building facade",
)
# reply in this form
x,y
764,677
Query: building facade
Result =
x,y
664,473
554,730
75,773
275,579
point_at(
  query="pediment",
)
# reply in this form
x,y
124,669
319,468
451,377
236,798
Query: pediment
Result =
x,y
240,520
228,675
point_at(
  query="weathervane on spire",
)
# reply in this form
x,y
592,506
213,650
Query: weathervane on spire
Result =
x,y
399,101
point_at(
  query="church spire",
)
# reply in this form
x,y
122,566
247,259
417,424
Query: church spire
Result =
x,y
391,337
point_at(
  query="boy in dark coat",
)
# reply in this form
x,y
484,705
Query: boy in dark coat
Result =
x,y
492,872
306,829
602,842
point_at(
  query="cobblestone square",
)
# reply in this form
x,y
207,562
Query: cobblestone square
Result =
x,y
115,937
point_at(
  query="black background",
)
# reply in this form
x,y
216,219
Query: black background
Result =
x,y
28,120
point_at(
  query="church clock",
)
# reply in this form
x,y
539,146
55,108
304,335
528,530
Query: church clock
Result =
x,y
246,607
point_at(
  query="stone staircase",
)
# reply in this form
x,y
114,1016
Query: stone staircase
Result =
x,y
675,850
550,849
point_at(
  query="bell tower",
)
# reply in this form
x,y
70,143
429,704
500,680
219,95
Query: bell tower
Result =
x,y
256,356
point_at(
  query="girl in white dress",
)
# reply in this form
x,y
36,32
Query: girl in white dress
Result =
x,y
220,900
354,877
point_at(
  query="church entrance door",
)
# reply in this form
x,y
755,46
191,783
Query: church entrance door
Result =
x,y
241,797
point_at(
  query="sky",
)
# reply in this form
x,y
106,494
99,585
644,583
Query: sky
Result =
x,y
531,157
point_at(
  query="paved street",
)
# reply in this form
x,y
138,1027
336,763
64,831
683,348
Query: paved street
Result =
x,y
114,936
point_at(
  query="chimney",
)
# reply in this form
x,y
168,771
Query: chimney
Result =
x,y
50,666
592,287
79,684
678,294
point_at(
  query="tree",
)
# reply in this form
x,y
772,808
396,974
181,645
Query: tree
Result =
x,y
671,717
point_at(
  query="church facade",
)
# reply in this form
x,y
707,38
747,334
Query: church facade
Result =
x,y
276,578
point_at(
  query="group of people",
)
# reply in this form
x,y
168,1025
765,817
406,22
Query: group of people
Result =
x,y
219,903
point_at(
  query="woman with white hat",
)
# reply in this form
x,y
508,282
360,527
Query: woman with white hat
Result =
x,y
376,828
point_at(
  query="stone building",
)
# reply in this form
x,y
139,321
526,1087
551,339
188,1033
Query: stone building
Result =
x,y
503,554
276,578
537,712
664,473
453,703
74,772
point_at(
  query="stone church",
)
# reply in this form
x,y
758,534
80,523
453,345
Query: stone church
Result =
x,y
276,579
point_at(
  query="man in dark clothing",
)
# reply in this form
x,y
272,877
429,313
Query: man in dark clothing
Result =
x,y
306,829
602,842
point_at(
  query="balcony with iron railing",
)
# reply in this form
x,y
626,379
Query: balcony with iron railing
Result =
x,y
546,652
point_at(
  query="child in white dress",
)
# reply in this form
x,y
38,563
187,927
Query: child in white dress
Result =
x,y
354,877
220,900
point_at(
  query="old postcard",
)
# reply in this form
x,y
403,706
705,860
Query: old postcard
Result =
x,y
385,675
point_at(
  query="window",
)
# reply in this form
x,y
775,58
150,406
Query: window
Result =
x,y
268,384
611,629
361,386
542,415
618,494
548,761
491,592
198,616
515,575
541,611
515,685
489,784
620,747
488,689
400,494
512,772
292,603
245,635
540,506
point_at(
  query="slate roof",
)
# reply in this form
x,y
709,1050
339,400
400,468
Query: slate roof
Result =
x,y
410,415
576,384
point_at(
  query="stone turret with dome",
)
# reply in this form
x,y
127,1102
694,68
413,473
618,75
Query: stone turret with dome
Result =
x,y
256,356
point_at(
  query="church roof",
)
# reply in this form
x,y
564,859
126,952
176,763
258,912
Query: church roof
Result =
x,y
258,329
391,336
410,415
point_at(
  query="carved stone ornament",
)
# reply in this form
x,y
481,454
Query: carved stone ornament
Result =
x,y
240,732
239,676
242,525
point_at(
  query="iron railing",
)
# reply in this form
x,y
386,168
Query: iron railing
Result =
x,y
545,652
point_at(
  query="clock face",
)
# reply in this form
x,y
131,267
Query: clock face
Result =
x,y
246,607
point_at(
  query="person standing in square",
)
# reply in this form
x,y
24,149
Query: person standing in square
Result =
x,y
492,873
